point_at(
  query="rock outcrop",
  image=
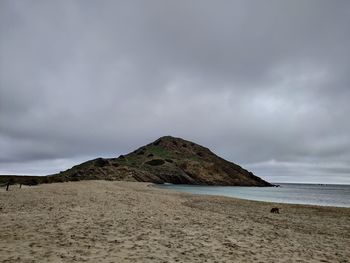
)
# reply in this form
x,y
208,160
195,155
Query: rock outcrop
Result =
x,y
166,160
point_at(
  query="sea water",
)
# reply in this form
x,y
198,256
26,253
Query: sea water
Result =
x,y
313,194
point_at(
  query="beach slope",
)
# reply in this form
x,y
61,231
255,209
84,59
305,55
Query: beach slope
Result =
x,y
104,221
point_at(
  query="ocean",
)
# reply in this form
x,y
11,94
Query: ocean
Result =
x,y
312,194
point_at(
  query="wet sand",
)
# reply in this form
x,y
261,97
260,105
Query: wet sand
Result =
x,y
104,221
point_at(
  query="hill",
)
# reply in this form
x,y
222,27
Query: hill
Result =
x,y
20,179
166,160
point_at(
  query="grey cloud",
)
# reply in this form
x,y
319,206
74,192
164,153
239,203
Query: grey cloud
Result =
x,y
254,81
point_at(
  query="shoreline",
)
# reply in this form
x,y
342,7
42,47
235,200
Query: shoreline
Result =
x,y
112,221
164,187
160,187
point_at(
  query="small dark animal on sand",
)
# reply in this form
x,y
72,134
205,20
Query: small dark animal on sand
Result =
x,y
275,210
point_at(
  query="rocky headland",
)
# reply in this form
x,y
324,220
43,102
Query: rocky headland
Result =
x,y
166,160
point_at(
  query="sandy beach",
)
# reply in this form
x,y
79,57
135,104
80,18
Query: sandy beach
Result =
x,y
105,221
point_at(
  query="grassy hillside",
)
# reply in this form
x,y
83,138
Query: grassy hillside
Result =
x,y
166,160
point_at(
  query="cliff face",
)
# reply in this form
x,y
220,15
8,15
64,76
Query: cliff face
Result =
x,y
166,160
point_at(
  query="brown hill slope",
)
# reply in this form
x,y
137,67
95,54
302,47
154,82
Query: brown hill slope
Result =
x,y
166,160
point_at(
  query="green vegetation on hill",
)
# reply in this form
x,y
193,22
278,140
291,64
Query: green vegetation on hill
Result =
x,y
166,160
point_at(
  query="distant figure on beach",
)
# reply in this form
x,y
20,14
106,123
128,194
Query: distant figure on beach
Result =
x,y
275,210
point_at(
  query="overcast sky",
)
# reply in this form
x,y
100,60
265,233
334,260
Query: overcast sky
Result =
x,y
265,84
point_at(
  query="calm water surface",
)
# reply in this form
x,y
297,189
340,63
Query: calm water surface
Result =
x,y
313,194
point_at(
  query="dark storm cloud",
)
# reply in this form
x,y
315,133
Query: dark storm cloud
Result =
x,y
264,84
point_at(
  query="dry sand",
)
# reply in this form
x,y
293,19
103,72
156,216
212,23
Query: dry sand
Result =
x,y
103,221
